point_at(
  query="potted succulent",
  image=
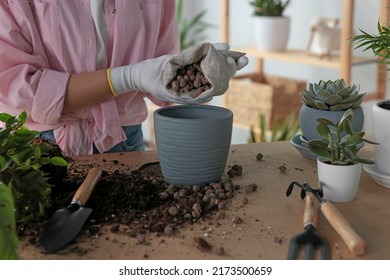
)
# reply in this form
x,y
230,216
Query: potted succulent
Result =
x,y
272,28
338,164
379,44
329,100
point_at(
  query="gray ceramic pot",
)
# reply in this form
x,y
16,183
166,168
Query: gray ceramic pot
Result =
x,y
193,142
308,120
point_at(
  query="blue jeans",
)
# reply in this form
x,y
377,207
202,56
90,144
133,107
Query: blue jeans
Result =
x,y
134,141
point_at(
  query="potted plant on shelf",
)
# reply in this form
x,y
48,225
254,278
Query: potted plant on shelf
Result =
x,y
338,164
329,100
272,28
379,44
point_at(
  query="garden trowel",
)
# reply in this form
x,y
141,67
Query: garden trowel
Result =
x,y
66,223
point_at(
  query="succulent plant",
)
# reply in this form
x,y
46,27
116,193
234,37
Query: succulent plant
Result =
x,y
339,143
332,95
269,7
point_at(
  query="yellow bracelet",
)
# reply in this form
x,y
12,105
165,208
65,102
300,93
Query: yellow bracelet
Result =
x,y
110,82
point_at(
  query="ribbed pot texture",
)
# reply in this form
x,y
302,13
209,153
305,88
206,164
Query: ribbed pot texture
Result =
x,y
193,142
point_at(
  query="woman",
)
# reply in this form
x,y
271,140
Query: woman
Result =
x,y
81,69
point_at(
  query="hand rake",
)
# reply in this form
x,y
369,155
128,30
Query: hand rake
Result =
x,y
354,242
309,240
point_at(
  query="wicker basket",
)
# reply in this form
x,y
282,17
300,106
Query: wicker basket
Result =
x,y
274,97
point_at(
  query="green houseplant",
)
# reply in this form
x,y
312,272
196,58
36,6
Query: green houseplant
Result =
x,y
24,186
272,28
379,44
191,30
329,100
269,7
281,130
339,143
338,164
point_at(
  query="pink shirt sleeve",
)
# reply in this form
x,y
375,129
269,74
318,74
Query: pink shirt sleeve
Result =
x,y
43,42
25,78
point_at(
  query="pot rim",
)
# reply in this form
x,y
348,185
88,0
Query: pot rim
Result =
x,y
227,114
386,100
316,109
323,160
273,17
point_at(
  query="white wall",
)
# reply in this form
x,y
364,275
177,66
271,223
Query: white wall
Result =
x,y
301,12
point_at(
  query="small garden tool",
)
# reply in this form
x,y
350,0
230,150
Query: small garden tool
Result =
x,y
65,224
309,240
354,242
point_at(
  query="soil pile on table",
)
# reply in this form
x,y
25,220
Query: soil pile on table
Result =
x,y
137,202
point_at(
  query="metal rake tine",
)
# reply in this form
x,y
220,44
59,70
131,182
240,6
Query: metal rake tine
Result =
x,y
293,251
324,250
290,188
309,251
303,193
309,240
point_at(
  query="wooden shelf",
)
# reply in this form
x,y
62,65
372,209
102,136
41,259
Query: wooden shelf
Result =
x,y
302,57
343,62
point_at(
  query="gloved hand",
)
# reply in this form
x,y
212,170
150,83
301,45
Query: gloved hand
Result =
x,y
235,60
153,76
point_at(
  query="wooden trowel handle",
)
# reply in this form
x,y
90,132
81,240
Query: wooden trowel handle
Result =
x,y
311,211
84,191
354,242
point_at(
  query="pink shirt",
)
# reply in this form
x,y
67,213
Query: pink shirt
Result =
x,y
43,42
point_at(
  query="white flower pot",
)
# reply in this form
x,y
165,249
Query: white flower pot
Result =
x,y
272,33
381,135
339,182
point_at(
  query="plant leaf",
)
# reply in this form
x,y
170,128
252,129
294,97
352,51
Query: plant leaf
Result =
x,y
325,122
8,237
58,161
320,105
333,88
347,115
323,130
319,151
351,140
4,117
363,160
333,99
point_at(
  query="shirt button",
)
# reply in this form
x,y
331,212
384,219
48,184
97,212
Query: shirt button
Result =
x,y
141,6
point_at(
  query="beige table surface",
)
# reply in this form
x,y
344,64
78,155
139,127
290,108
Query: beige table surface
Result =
x,y
269,219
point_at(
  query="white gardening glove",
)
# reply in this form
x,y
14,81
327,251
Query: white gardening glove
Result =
x,y
234,65
153,76
143,76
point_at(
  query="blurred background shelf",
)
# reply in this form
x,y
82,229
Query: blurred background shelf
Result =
x,y
301,56
344,61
